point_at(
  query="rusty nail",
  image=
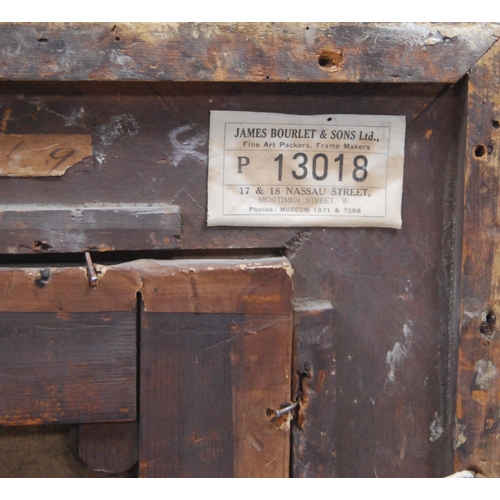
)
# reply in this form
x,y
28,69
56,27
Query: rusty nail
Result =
x,y
93,279
287,409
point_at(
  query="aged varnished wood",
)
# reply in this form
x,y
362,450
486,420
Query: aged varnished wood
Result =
x,y
215,355
61,229
413,319
398,52
477,418
68,351
67,368
66,290
150,144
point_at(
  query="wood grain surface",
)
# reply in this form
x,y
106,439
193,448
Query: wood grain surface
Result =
x,y
41,155
108,447
60,229
402,379
150,146
477,416
355,52
67,368
208,378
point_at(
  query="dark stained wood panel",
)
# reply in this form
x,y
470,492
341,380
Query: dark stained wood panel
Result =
x,y
186,417
67,368
206,383
27,229
150,145
109,447
398,52
393,295
211,367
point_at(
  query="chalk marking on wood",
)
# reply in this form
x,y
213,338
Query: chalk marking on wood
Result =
x,y
188,146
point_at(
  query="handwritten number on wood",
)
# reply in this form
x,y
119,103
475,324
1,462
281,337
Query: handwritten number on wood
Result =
x,y
61,154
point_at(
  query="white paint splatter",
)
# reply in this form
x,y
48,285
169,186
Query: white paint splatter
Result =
x,y
486,373
100,157
436,427
119,127
393,358
398,353
121,59
74,118
407,332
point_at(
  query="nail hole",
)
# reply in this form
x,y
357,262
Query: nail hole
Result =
x,y
117,38
480,151
270,415
489,321
43,40
43,278
282,422
325,61
42,246
330,60
495,123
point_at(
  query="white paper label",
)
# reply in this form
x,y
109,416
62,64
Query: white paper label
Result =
x,y
269,169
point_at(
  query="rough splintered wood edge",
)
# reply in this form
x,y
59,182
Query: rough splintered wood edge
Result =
x,y
264,286
191,287
342,52
314,444
105,227
477,421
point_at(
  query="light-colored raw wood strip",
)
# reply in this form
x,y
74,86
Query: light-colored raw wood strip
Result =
x,y
41,155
